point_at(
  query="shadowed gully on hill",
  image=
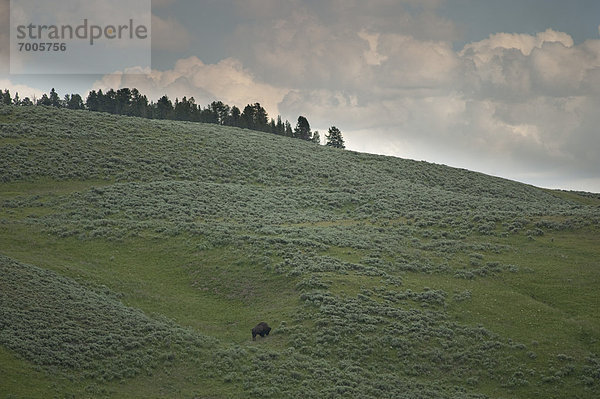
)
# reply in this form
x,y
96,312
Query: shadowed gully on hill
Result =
x,y
137,255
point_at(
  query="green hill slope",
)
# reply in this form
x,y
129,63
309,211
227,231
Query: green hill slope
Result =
x,y
136,256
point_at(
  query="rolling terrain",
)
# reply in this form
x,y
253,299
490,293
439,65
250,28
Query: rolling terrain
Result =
x,y
136,255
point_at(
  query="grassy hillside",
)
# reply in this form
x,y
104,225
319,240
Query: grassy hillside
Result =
x,y
136,256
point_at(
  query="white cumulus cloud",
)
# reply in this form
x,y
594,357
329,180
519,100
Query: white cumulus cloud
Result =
x,y
522,106
487,48
226,80
23,90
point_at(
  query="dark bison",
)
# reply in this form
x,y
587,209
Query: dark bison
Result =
x,y
261,329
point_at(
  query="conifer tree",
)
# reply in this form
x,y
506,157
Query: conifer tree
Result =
x,y
316,138
288,132
280,128
54,99
123,101
73,101
334,138
302,130
234,117
91,102
44,100
139,104
5,97
164,108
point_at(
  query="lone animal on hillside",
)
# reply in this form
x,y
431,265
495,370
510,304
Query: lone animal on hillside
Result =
x,y
261,329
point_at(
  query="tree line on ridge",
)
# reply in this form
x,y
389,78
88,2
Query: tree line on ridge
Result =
x,y
131,102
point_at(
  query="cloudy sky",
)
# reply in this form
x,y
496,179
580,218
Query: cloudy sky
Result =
x,y
509,88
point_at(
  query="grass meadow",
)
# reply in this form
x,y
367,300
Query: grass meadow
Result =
x,y
136,255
